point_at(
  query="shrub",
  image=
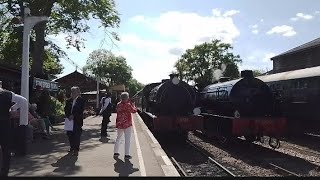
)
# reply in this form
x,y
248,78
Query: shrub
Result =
x,y
56,107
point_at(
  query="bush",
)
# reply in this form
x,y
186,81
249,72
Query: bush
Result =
x,y
56,107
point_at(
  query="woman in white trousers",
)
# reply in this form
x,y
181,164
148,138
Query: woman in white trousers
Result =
x,y
124,123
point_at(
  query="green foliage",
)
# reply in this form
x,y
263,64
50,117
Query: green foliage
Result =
x,y
134,86
65,16
207,62
61,95
51,66
258,72
56,107
11,49
108,67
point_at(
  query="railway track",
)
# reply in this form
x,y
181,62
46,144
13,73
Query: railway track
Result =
x,y
211,159
282,170
192,161
271,163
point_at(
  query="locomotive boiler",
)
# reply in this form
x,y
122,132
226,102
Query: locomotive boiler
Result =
x,y
169,106
242,107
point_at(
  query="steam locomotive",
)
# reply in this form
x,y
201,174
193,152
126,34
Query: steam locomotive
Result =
x,y
243,107
168,107
300,98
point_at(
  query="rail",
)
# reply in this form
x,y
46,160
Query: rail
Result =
x,y
211,159
284,170
180,169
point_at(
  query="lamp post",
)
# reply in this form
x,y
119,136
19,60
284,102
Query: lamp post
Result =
x,y
29,22
98,90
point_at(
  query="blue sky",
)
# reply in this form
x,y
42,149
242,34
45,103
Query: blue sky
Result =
x,y
155,33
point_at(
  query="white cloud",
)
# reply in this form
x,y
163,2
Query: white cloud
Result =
x,y
317,12
261,20
257,60
283,30
268,56
178,31
255,26
230,13
301,16
216,12
255,31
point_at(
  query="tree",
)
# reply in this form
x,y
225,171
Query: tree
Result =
x,y
106,66
134,86
66,16
258,72
207,62
11,53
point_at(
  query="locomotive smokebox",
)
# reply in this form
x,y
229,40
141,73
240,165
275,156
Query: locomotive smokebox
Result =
x,y
247,74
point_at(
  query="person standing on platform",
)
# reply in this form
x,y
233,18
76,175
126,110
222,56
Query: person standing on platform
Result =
x,y
7,98
74,109
106,110
124,123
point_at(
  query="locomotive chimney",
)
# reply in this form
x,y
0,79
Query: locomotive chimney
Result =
x,y
173,75
224,79
247,74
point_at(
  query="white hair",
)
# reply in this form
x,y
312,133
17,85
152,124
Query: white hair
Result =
x,y
124,96
34,106
76,89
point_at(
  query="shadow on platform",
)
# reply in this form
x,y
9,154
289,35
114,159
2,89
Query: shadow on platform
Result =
x,y
124,168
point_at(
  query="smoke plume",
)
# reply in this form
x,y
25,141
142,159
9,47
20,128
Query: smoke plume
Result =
x,y
217,73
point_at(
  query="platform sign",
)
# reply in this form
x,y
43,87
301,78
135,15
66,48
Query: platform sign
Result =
x,y
45,84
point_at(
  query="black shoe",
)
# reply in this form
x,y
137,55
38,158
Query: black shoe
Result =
x,y
127,157
116,154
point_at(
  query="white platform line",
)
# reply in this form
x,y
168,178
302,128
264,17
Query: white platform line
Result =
x,y
140,158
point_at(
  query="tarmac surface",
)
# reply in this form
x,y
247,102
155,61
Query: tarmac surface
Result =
x,y
51,157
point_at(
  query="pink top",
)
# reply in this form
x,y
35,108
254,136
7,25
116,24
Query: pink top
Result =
x,y
124,117
16,115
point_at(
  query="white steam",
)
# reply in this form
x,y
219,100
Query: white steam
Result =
x,y
217,73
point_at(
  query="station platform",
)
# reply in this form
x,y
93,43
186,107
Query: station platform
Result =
x,y
51,158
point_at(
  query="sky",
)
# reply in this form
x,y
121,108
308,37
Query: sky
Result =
x,y
155,33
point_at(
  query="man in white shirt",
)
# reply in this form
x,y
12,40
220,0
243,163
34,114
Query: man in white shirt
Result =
x,y
7,98
106,110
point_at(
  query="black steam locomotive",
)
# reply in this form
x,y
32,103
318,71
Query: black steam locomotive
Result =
x,y
243,107
168,106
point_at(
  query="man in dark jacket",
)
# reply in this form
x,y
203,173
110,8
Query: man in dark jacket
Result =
x,y
6,100
74,109
106,110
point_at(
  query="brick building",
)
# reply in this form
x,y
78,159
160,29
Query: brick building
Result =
x,y
303,56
